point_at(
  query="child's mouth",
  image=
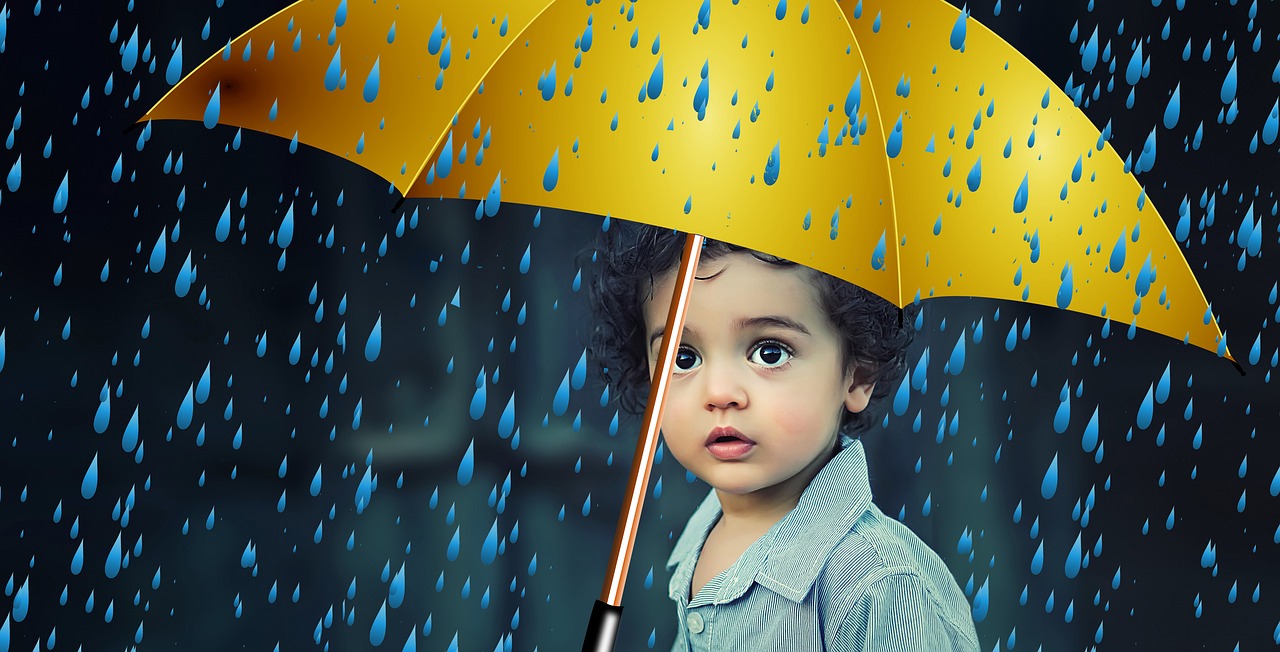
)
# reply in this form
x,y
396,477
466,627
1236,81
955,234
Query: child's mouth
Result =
x,y
728,444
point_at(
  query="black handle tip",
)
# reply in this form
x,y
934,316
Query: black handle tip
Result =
x,y
602,630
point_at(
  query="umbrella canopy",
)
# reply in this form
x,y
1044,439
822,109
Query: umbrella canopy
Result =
x,y
900,146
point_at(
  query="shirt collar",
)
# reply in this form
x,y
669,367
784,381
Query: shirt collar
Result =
x,y
789,558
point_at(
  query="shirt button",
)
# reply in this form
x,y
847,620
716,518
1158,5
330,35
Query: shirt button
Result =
x,y
695,623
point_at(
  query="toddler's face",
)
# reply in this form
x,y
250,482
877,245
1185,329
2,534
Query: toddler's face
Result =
x,y
759,387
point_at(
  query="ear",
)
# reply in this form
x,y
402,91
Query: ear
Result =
x,y
858,396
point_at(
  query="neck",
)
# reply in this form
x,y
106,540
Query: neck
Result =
x,y
764,507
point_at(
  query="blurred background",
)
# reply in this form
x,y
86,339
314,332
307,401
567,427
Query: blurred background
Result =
x,y
385,432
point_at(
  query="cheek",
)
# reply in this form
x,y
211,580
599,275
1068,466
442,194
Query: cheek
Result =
x,y
801,411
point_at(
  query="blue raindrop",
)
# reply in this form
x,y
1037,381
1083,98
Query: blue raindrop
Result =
x,y
580,372
224,224
284,235
156,262
173,72
103,416
654,88
552,175
1118,255
1174,108
956,363
1162,385
129,440
507,422
60,196
1145,410
489,551
1020,197
378,631
878,254
1072,565
332,75
893,145
1049,486
14,180
975,175
959,30
1066,291
437,37
373,346
479,398
468,465
1090,439
1228,92
89,486
772,165
213,108
560,404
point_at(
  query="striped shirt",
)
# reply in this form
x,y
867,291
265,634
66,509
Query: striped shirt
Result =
x,y
833,574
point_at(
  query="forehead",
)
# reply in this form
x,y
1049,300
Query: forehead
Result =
x,y
738,284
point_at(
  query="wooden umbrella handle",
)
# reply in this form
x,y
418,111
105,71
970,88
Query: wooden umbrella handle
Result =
x,y
609,607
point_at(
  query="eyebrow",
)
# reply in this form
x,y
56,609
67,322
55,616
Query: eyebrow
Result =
x,y
765,321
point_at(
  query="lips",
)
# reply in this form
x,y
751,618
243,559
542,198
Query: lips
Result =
x,y
728,444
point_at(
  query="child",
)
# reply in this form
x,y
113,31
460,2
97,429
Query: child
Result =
x,y
777,368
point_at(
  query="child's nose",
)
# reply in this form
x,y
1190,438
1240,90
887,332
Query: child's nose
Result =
x,y
724,388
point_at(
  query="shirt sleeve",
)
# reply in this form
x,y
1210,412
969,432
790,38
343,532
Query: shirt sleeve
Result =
x,y
897,614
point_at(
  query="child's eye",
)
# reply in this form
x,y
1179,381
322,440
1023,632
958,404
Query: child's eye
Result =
x,y
686,359
771,354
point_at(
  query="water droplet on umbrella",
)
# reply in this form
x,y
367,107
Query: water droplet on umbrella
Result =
x,y
877,255
654,87
974,179
1019,197
332,75
1066,290
213,109
959,30
437,37
772,165
893,144
552,175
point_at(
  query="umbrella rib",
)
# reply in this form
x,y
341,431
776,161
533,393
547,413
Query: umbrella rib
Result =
x,y
214,56
893,206
431,152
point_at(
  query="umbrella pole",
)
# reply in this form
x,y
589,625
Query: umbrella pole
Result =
x,y
607,613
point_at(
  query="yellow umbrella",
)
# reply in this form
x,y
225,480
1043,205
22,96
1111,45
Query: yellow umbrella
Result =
x,y
898,145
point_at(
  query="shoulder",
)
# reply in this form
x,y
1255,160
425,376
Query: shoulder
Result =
x,y
888,590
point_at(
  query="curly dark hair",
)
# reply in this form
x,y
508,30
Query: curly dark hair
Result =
x,y
629,257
